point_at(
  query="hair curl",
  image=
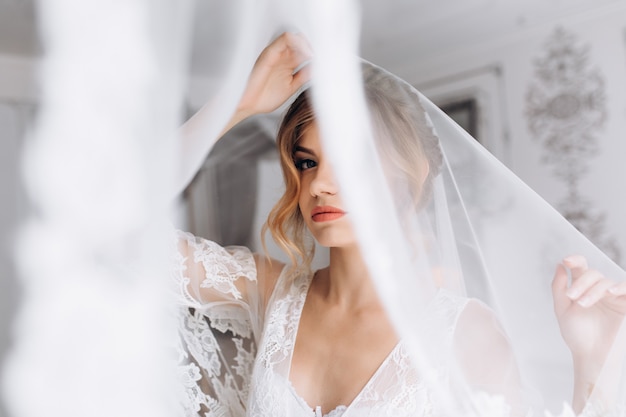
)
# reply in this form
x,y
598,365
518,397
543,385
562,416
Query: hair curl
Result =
x,y
285,220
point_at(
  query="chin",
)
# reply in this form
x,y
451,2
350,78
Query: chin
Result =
x,y
333,235
335,240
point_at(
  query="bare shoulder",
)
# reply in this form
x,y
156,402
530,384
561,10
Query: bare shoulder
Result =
x,y
268,272
482,346
485,355
478,328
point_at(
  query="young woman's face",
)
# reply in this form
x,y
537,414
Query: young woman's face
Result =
x,y
320,201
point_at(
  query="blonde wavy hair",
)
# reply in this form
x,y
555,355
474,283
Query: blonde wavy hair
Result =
x,y
285,221
403,137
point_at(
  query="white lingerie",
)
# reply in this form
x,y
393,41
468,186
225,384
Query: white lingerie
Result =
x,y
235,353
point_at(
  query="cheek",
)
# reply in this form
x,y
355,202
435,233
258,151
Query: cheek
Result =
x,y
304,206
305,201
303,196
301,208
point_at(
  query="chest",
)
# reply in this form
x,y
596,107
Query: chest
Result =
x,y
301,353
337,352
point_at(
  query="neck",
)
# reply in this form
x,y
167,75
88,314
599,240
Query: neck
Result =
x,y
346,281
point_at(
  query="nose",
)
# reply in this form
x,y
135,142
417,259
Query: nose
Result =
x,y
323,182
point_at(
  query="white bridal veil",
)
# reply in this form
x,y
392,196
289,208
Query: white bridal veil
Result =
x,y
470,228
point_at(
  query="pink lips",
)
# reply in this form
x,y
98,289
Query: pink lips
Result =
x,y
326,213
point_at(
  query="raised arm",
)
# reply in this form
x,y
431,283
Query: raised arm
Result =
x,y
279,72
208,272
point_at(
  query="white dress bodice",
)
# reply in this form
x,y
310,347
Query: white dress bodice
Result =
x,y
236,352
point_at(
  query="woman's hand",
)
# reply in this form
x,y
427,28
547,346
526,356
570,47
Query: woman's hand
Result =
x,y
590,311
274,78
272,81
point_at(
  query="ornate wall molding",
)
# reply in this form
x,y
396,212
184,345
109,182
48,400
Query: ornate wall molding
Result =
x,y
565,111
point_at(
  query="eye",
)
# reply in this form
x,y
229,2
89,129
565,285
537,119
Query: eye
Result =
x,y
304,164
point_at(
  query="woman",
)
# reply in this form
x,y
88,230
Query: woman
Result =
x,y
322,343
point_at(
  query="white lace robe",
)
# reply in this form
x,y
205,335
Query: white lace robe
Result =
x,y
235,352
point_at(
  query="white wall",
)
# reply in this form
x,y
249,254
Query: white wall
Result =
x,y
501,71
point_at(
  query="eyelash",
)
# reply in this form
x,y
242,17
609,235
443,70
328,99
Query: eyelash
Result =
x,y
305,164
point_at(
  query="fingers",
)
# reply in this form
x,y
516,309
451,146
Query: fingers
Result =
x,y
277,52
559,288
301,57
278,73
302,76
299,45
295,46
595,293
588,285
583,283
300,54
292,52
619,289
577,265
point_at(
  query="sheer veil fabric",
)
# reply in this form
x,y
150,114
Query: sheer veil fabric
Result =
x,y
437,217
462,253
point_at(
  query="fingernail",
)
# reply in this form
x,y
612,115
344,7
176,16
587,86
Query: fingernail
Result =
x,y
614,290
573,293
585,301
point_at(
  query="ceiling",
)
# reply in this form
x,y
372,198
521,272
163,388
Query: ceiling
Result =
x,y
391,29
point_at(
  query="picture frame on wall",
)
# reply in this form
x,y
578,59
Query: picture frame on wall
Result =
x,y
464,111
474,100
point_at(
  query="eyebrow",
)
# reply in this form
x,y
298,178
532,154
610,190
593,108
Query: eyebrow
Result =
x,y
303,149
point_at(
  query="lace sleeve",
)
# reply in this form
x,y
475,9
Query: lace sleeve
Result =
x,y
219,324
207,272
221,282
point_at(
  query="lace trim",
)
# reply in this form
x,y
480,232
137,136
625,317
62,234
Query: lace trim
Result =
x,y
180,280
222,266
229,319
595,409
337,412
282,322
